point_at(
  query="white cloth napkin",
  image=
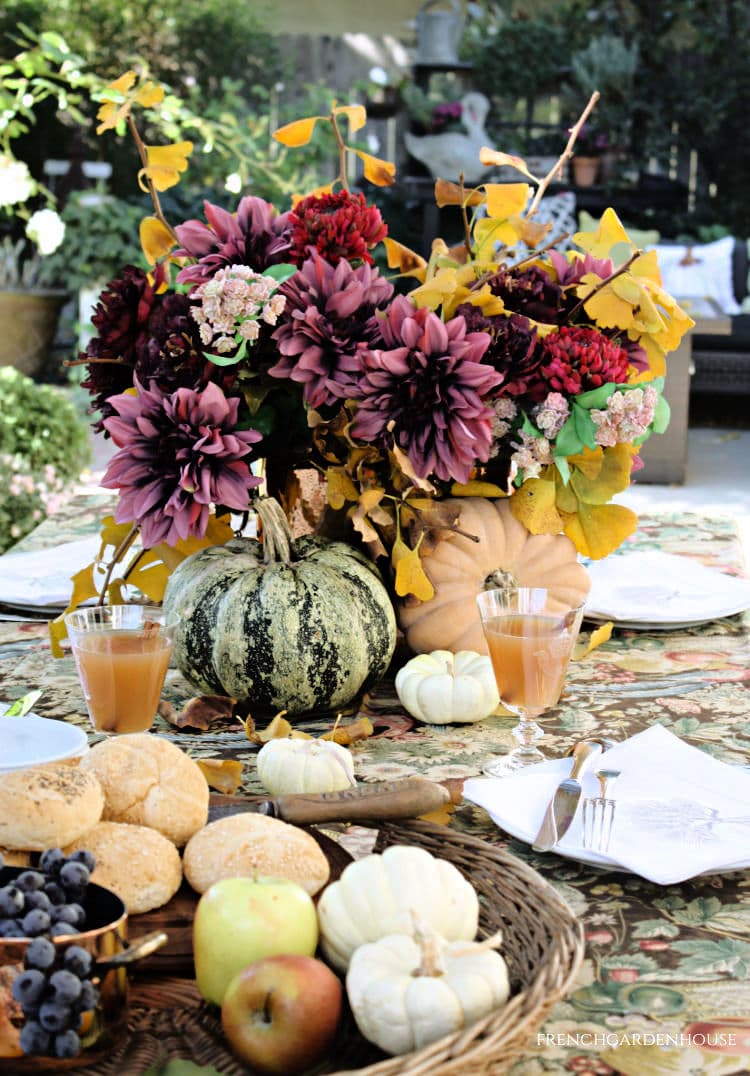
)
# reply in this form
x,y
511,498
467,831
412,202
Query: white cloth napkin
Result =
x,y
679,812
662,587
42,577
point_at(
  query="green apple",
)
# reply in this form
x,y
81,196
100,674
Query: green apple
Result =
x,y
239,920
281,1014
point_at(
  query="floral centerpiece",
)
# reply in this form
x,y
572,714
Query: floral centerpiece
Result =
x,y
267,339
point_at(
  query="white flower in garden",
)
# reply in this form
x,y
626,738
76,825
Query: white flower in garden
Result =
x,y
16,182
46,229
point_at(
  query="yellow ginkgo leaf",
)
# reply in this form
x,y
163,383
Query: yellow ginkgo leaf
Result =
x,y
598,529
224,775
475,488
609,232
534,506
599,635
506,199
117,109
339,487
297,133
612,477
448,193
381,173
156,239
490,233
355,114
402,258
149,95
84,588
165,163
531,232
410,575
504,160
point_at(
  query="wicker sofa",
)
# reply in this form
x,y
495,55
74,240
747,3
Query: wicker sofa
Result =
x,y
721,363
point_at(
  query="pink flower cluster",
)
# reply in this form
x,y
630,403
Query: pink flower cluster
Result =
x,y
552,414
626,417
231,305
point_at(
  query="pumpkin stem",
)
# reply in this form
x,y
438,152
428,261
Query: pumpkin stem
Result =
x,y
499,578
430,949
493,942
278,540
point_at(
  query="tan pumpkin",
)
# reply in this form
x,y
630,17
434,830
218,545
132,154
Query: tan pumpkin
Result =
x,y
460,568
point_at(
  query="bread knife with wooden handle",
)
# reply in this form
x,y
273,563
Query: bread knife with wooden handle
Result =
x,y
405,798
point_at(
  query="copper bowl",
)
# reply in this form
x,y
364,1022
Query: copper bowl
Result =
x,y
107,941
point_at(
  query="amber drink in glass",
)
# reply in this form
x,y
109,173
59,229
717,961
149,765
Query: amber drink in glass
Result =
x,y
530,637
122,653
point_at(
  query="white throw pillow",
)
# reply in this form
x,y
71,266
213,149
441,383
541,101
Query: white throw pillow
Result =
x,y
700,276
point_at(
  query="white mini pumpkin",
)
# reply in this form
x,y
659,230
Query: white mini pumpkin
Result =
x,y
406,993
378,895
292,764
441,687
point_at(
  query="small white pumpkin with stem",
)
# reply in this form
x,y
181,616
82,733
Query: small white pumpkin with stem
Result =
x,y
406,992
442,687
374,895
292,764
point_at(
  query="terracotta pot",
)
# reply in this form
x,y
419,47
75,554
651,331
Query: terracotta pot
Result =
x,y
29,320
585,171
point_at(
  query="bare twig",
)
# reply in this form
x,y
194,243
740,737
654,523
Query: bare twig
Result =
x,y
566,154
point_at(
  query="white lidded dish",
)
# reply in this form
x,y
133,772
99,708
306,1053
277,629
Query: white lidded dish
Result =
x,y
32,740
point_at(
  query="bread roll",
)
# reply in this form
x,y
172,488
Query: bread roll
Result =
x,y
137,863
15,858
149,781
47,806
249,845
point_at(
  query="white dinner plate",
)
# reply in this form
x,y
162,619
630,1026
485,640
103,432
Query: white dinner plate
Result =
x,y
32,740
661,591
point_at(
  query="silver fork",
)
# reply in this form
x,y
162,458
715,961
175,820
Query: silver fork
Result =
x,y
599,813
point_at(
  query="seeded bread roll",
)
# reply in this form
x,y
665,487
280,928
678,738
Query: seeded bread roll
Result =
x,y
249,845
149,781
47,806
14,858
137,863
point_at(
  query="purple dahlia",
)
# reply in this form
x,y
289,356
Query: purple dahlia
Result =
x,y
328,320
179,454
425,387
254,236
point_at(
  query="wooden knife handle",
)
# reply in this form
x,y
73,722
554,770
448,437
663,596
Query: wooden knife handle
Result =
x,y
406,798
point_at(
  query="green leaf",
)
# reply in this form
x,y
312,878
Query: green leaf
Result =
x,y
585,427
23,705
699,911
568,442
280,273
662,415
596,398
222,360
563,468
655,928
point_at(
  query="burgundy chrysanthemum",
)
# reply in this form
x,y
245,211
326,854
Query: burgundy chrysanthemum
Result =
x,y
512,350
329,318
338,225
179,453
529,291
575,360
120,319
425,388
171,352
255,236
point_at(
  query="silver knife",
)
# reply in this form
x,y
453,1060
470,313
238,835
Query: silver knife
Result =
x,y
562,807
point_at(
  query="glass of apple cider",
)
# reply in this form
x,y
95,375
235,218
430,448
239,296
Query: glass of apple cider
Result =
x,y
530,637
122,653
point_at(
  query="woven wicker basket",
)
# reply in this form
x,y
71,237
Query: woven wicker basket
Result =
x,y
542,944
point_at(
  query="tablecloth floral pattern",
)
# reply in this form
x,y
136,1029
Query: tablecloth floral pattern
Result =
x,y
665,985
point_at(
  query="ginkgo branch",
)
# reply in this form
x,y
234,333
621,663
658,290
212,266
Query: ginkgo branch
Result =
x,y
566,154
117,556
342,150
143,154
603,283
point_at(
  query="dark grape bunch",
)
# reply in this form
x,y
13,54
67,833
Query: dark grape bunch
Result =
x,y
55,987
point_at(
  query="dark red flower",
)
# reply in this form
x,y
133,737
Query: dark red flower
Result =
x,y
329,318
338,225
179,454
512,350
530,291
255,235
575,360
425,388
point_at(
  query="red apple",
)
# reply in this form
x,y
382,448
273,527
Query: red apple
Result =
x,y
281,1013
239,920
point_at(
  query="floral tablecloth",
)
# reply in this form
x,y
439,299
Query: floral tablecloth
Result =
x,y
665,985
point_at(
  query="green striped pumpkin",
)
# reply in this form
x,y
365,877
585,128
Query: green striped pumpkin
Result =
x,y
286,625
